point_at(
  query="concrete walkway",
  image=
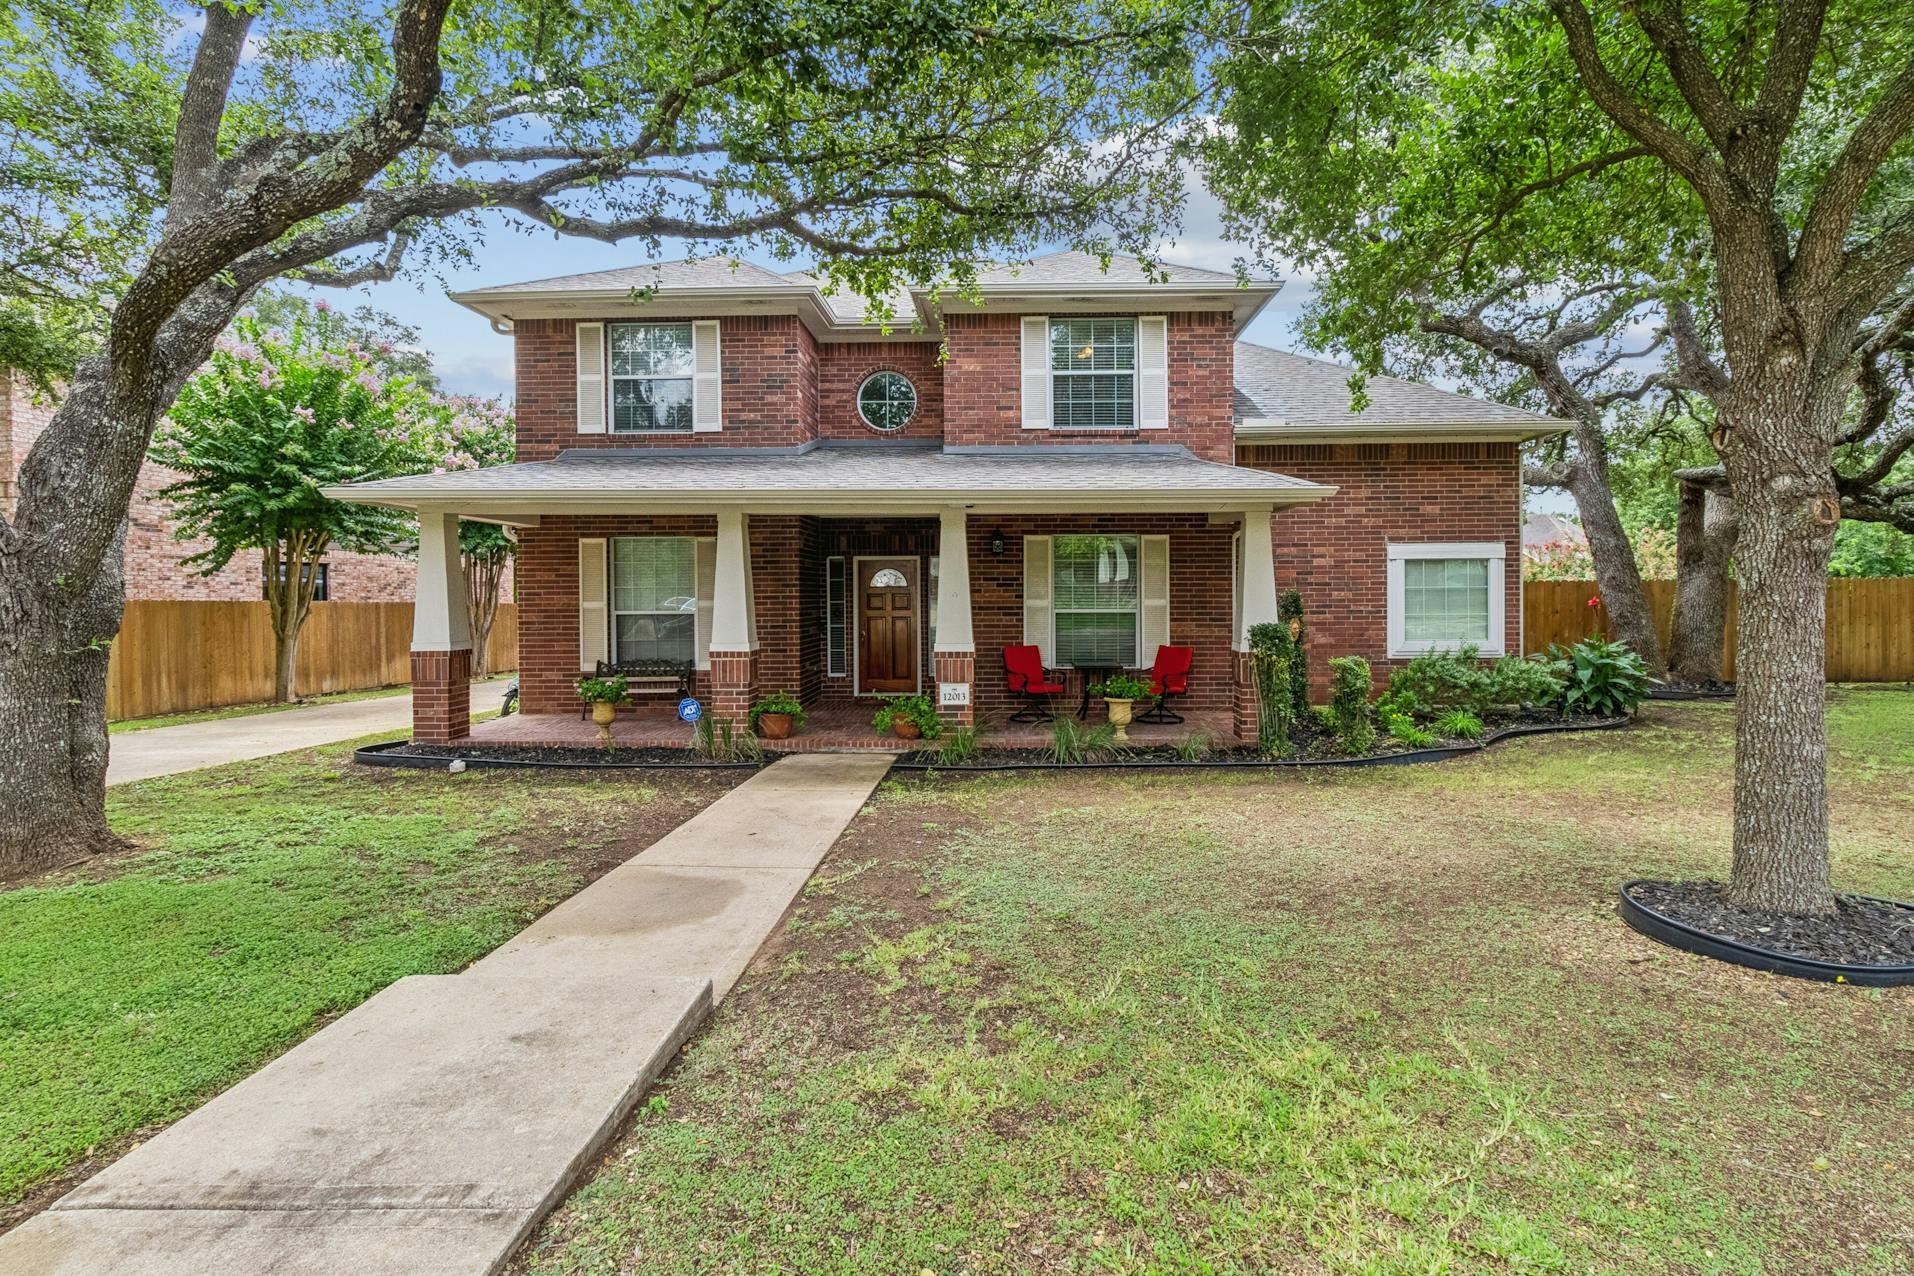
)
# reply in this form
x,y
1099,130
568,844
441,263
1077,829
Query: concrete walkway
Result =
x,y
427,1132
141,755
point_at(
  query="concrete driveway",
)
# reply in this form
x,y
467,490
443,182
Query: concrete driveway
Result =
x,y
141,755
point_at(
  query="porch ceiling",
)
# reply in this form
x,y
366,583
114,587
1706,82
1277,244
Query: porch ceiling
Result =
x,y
822,479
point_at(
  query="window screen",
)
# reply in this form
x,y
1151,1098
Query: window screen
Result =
x,y
654,604
1445,600
651,366
1096,595
1094,363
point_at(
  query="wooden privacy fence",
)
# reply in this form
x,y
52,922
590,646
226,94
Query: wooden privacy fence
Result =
x,y
1870,623
174,657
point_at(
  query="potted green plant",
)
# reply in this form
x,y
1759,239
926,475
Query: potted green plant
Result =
x,y
1121,693
777,715
603,695
908,717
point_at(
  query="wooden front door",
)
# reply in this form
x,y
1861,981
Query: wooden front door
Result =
x,y
887,625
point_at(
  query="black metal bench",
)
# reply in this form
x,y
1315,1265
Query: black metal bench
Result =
x,y
646,678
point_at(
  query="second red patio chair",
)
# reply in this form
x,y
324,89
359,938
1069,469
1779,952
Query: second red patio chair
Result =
x,y
1169,677
1023,669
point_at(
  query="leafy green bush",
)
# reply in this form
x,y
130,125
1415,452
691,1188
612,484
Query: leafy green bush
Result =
x,y
602,690
1459,724
1274,656
1406,731
1289,610
916,709
1599,677
1349,704
1122,686
958,747
1072,741
1518,680
1438,680
778,702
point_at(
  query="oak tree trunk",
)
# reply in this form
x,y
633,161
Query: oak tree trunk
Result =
x,y
1704,545
1618,577
1780,469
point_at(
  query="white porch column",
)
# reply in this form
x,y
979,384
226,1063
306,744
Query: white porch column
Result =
x,y
1257,571
955,659
734,623
441,635
440,620
734,614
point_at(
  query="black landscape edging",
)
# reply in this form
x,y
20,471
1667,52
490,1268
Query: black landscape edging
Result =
x,y
1408,757
1690,939
381,755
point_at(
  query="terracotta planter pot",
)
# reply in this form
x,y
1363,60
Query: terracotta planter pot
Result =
x,y
775,726
1120,718
904,729
603,711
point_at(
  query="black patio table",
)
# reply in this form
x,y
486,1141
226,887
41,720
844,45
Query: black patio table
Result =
x,y
1092,674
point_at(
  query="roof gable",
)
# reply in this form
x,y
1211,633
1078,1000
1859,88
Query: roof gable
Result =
x,y
1278,393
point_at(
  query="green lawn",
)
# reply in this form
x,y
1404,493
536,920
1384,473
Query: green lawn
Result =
x,y
1377,1021
269,897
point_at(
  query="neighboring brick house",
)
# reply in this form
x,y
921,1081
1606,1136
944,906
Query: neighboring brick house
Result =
x,y
723,466
154,568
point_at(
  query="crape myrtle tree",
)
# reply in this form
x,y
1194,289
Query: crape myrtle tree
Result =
x,y
1742,167
484,436
272,418
191,159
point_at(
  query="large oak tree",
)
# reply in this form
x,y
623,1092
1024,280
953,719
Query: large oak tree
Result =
x,y
159,173
1741,168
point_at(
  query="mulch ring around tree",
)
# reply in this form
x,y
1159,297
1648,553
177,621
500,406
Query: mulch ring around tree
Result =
x,y
1310,745
1864,941
1691,691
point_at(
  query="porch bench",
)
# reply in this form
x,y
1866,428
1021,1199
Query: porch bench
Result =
x,y
646,678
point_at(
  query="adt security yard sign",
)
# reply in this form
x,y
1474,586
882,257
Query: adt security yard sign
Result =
x,y
689,710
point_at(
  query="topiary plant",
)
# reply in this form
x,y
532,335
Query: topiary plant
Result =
x,y
1289,610
1349,684
1273,653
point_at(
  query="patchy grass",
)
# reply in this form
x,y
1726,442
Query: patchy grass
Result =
x,y
1371,1022
263,899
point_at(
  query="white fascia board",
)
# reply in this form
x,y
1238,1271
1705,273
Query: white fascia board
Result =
x,y
1054,298
808,303
1272,430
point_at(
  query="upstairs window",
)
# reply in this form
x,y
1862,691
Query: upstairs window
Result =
x,y
1093,373
651,371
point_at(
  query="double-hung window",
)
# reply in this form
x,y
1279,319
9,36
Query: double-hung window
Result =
x,y
1097,599
651,372
1093,373
654,604
1443,597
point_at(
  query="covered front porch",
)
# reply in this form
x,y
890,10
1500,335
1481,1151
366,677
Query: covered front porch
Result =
x,y
812,576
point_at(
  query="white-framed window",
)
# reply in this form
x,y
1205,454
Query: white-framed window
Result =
x,y
1097,599
654,598
1093,373
1446,595
652,365
886,401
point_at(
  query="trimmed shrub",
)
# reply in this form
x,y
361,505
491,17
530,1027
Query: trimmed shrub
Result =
x,y
1517,680
1349,704
1289,610
1274,656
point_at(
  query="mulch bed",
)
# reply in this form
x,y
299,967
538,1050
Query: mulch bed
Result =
x,y
577,755
1691,691
1862,931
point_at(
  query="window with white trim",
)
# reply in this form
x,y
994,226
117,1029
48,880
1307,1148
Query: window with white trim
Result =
x,y
1445,596
651,371
1097,599
1093,373
654,598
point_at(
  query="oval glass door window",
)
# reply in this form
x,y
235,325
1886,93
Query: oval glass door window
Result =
x,y
889,578
887,401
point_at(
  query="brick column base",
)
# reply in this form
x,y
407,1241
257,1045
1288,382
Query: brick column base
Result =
x,y
441,696
734,686
957,666
1245,705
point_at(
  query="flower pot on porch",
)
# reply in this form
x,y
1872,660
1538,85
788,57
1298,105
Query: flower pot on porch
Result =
x,y
1120,718
775,726
905,729
602,712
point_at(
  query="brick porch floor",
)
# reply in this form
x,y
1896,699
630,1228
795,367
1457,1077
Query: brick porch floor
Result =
x,y
834,726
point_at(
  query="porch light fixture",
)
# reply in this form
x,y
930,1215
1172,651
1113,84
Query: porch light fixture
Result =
x,y
997,544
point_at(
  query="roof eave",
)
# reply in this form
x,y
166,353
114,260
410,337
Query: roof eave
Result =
x,y
1271,430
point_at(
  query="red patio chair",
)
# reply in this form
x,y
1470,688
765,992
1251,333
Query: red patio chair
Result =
x,y
1023,669
1169,677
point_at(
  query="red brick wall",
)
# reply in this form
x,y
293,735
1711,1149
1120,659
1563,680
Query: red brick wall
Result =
x,y
1200,602
155,561
1335,550
770,367
843,367
983,395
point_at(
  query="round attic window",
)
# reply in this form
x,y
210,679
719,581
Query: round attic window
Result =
x,y
887,401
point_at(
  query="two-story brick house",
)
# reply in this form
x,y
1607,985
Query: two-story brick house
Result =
x,y
722,464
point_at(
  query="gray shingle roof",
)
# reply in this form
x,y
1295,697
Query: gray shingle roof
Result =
x,y
690,272
848,307
840,472
1072,267
1297,391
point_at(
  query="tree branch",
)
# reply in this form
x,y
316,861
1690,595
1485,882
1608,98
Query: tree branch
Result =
x,y
201,108
1666,27
1820,260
